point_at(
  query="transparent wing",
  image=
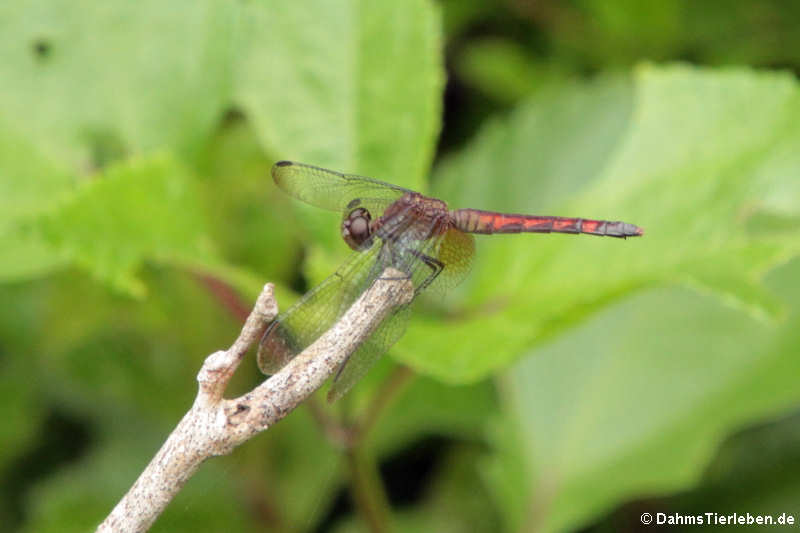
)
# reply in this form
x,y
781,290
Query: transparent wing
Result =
x,y
410,261
333,190
304,322
388,333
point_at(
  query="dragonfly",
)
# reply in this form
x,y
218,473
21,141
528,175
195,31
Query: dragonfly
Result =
x,y
389,226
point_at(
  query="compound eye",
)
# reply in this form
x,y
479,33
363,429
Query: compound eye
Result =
x,y
359,228
355,228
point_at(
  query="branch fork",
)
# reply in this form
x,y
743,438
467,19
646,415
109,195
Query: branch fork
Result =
x,y
215,425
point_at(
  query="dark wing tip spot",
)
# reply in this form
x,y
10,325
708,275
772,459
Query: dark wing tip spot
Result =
x,y
283,163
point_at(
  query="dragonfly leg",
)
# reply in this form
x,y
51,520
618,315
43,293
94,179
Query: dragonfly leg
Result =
x,y
434,264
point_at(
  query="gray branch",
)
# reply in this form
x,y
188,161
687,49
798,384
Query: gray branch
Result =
x,y
215,426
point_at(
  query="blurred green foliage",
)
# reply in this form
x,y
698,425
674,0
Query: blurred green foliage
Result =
x,y
571,382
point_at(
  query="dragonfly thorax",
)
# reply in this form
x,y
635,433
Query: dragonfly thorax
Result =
x,y
356,228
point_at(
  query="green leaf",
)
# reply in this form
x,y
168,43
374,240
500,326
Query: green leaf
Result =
x,y
635,402
85,85
31,183
689,155
25,254
251,220
313,77
137,210
92,82
30,186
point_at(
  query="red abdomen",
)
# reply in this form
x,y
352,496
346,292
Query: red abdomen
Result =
x,y
476,221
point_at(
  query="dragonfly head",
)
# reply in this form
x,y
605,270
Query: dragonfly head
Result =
x,y
356,228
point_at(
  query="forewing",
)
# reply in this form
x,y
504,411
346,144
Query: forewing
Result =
x,y
303,323
333,190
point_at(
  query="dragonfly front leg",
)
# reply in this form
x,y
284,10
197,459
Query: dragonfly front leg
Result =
x,y
434,264
395,259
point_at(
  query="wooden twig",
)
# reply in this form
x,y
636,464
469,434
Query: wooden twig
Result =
x,y
215,426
